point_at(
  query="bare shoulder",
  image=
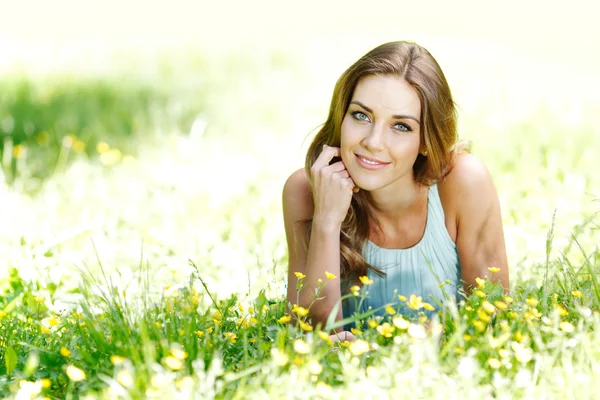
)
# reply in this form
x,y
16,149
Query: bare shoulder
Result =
x,y
467,182
297,196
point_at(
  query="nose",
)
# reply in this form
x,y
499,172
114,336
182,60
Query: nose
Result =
x,y
375,141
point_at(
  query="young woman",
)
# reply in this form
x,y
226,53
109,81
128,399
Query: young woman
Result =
x,y
389,192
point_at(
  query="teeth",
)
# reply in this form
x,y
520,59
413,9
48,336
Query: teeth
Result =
x,y
369,162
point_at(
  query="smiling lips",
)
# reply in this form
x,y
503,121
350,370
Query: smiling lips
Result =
x,y
370,163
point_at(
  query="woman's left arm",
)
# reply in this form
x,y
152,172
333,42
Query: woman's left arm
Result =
x,y
479,235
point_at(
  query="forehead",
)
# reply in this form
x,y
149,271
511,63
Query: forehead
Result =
x,y
387,95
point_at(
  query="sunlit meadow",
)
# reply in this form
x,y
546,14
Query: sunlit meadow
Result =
x,y
142,244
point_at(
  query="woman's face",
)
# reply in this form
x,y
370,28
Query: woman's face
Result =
x,y
382,127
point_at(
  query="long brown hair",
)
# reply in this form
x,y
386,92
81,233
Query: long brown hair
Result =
x,y
417,67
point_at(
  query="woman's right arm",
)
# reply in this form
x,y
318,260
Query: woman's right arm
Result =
x,y
326,203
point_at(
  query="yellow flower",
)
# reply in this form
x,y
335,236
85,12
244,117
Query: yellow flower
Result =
x,y
180,354
252,340
65,352
561,310
493,270
508,299
372,323
359,347
325,337
488,307
199,333
428,306
18,151
45,330
566,327
46,383
483,316
423,318
284,319
400,322
102,147
306,326
231,336
401,298
299,275
279,357
301,347
494,363
501,305
53,321
385,330
532,302
532,314
480,326
117,360
319,281
356,332
577,293
415,302
503,353
173,363
329,275
75,374
298,360
365,280
355,290
240,307
299,310
467,337
265,308
78,145
479,293
314,367
480,282
390,310
518,336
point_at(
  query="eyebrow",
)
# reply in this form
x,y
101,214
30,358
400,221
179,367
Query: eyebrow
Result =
x,y
393,116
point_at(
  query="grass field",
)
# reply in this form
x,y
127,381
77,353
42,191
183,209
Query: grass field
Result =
x,y
141,234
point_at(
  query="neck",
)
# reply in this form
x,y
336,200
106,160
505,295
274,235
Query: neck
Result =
x,y
392,207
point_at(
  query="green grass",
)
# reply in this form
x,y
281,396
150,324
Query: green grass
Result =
x,y
187,341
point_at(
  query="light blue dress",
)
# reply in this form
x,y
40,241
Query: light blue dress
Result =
x,y
411,271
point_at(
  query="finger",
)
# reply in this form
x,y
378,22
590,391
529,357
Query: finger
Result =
x,y
335,167
325,157
342,174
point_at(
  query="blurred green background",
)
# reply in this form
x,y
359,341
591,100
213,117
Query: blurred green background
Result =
x,y
138,132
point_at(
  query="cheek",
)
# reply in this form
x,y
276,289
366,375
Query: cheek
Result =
x,y
405,147
351,133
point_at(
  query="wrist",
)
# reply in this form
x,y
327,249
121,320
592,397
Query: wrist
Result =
x,y
326,225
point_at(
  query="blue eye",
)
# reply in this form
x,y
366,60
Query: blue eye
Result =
x,y
402,127
359,116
